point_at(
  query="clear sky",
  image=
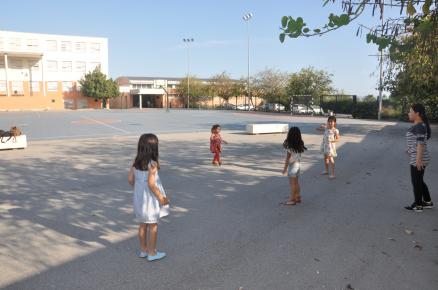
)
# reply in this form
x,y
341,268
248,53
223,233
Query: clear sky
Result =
x,y
145,37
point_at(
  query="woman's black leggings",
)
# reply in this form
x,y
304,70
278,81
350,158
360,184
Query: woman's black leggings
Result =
x,y
421,192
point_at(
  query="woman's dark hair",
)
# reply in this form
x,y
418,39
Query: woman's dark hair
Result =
x,y
147,151
331,118
214,127
294,141
419,108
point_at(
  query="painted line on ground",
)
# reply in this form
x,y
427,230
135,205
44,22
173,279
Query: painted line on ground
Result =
x,y
109,126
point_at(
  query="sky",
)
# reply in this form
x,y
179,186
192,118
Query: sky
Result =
x,y
145,38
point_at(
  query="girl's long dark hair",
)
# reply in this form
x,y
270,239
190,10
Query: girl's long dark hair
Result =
x,y
419,108
147,151
294,141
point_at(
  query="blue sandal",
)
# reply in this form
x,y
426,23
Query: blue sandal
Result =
x,y
157,256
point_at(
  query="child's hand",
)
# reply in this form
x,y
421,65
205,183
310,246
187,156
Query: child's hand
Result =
x,y
284,171
163,200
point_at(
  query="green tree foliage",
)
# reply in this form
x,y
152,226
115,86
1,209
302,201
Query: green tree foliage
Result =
x,y
411,41
198,90
96,85
309,83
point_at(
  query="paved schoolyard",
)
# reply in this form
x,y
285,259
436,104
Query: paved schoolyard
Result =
x,y
66,218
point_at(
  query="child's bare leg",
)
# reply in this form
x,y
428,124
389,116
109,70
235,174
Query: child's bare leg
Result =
x,y
332,167
326,165
297,190
152,239
142,230
292,189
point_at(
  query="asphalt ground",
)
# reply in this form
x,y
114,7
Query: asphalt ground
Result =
x,y
66,214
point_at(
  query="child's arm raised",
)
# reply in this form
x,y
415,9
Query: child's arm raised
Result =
x,y
151,183
321,127
286,162
131,176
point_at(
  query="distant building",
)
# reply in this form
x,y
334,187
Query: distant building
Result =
x,y
147,92
42,71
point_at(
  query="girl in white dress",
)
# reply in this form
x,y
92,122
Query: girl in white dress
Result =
x,y
294,146
328,145
150,201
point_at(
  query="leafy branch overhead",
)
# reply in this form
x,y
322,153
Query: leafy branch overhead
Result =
x,y
418,17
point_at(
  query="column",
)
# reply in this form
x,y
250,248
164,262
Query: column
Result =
x,y
140,102
42,76
6,73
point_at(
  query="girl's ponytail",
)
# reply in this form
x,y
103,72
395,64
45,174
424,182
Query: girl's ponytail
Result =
x,y
426,121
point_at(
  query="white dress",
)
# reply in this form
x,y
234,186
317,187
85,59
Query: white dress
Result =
x,y
146,206
327,147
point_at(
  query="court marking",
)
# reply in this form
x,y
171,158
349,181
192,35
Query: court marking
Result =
x,y
104,124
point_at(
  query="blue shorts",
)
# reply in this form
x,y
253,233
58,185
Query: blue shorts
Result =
x,y
293,170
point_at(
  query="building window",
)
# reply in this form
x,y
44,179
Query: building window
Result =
x,y
81,47
65,45
35,87
15,44
32,44
52,86
3,90
52,65
78,86
95,47
67,86
17,88
52,45
80,67
66,66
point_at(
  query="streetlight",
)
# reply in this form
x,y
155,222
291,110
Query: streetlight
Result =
x,y
247,17
187,41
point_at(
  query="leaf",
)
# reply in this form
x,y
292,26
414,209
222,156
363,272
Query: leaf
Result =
x,y
410,9
284,21
426,6
325,2
344,19
305,30
317,30
282,35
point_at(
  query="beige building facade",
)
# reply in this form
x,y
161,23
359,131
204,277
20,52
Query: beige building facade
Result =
x,y
42,71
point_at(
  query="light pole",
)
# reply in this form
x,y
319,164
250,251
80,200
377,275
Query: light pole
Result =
x,y
247,17
187,41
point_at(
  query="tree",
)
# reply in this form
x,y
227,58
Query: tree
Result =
x,y
197,89
308,84
222,86
270,84
96,85
411,42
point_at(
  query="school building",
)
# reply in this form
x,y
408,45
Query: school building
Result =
x,y
42,71
156,92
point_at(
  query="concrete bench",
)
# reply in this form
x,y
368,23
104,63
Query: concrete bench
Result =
x,y
266,128
19,142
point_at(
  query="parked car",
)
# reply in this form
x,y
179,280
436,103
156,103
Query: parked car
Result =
x,y
303,109
243,107
274,107
229,106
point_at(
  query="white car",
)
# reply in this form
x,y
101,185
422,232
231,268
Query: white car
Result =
x,y
245,107
303,109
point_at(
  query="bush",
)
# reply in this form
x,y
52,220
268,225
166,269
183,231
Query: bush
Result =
x,y
365,110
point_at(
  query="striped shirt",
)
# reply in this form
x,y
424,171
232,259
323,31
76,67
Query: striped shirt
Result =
x,y
417,134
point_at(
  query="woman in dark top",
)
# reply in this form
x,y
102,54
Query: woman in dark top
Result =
x,y
416,148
